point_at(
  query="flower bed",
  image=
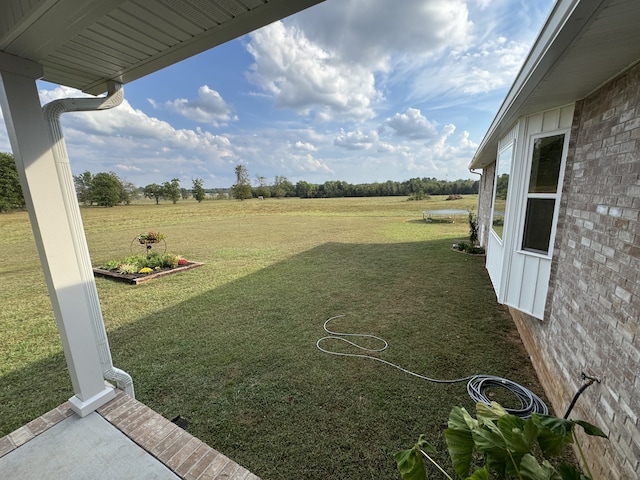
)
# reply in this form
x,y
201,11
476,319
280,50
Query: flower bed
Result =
x,y
140,268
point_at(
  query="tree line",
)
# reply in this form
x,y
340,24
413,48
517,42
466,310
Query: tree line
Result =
x,y
417,188
106,189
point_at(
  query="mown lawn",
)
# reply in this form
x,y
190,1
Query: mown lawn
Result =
x,y
231,346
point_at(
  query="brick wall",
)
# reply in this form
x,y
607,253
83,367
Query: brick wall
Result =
x,y
593,309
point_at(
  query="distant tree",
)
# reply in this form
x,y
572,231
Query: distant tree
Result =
x,y
10,190
262,190
153,190
282,187
106,189
242,188
305,189
129,191
82,183
185,193
171,190
198,191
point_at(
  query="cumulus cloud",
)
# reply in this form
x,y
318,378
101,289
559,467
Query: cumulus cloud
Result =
x,y
208,107
125,139
355,140
307,164
300,75
369,32
412,124
306,146
460,48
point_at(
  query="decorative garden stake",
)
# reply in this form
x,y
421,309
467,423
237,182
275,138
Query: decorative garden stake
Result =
x,y
146,241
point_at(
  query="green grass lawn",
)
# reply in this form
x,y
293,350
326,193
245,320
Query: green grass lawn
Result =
x,y
231,346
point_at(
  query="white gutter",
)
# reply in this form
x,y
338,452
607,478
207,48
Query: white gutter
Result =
x,y
52,112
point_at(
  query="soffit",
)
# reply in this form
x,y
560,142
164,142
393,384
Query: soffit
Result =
x,y
578,50
86,43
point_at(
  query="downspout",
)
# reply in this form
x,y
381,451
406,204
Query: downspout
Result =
x,y
52,112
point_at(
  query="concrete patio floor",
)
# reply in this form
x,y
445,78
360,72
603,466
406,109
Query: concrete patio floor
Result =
x,y
124,439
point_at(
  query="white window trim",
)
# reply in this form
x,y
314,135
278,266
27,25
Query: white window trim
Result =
x,y
557,197
509,146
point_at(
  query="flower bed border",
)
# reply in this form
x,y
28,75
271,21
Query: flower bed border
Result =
x,y
136,278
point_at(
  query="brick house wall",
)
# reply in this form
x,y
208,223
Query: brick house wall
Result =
x,y
592,321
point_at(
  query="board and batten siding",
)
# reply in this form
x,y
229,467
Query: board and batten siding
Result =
x,y
521,278
497,264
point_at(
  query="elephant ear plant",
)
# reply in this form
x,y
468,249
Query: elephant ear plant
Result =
x,y
509,446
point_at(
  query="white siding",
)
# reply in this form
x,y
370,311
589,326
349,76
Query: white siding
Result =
x,y
520,278
496,266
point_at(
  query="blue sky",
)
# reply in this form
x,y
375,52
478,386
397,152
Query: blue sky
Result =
x,y
353,90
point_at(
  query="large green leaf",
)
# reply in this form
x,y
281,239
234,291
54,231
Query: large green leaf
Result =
x,y
460,446
559,426
459,439
590,429
516,438
489,412
460,419
569,472
554,434
488,440
530,469
480,474
410,464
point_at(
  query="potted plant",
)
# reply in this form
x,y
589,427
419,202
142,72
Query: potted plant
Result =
x,y
150,237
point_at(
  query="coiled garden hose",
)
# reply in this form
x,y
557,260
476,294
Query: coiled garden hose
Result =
x,y
477,385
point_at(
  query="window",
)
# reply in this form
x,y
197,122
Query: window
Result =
x,y
543,193
503,169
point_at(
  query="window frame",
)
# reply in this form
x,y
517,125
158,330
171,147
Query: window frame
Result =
x,y
553,196
511,147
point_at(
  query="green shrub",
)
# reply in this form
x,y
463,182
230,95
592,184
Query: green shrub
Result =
x,y
469,248
497,443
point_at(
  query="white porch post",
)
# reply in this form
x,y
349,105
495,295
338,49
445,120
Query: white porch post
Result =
x,y
32,151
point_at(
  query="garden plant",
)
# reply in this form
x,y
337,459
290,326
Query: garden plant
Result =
x,y
506,447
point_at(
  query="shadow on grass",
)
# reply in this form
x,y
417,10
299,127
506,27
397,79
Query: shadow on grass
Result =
x,y
241,364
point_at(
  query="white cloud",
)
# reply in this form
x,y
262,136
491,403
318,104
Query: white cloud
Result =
x,y
457,48
369,32
355,140
307,164
127,168
306,146
208,107
304,77
128,140
412,124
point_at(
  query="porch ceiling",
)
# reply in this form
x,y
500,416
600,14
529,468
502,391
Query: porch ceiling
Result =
x,y
85,43
583,44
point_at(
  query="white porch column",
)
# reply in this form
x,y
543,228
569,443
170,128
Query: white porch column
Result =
x,y
32,151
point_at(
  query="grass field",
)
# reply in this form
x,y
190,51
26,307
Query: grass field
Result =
x,y
231,346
